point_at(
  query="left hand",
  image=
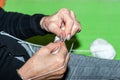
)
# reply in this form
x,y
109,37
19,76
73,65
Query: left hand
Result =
x,y
44,65
63,18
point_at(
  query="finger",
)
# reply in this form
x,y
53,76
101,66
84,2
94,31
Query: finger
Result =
x,y
63,30
53,46
76,26
68,23
63,67
63,50
67,20
75,29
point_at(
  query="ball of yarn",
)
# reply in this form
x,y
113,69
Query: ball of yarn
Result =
x,y
100,48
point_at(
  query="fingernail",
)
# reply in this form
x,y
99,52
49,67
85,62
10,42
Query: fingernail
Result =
x,y
78,30
68,37
56,50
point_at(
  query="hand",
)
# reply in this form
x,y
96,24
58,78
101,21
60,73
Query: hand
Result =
x,y
63,18
44,61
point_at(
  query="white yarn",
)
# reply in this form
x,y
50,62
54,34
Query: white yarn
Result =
x,y
56,39
100,48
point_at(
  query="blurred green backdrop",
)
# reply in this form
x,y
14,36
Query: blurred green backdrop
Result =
x,y
99,19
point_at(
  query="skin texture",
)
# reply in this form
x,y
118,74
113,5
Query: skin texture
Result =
x,y
44,61
63,18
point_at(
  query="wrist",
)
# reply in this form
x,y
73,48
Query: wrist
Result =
x,y
19,75
24,75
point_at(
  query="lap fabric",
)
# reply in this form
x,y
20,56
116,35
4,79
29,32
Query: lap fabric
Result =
x,y
88,68
80,67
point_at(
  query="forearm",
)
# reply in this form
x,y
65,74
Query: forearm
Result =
x,y
21,25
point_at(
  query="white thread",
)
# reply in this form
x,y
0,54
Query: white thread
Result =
x,y
100,48
6,34
29,45
85,51
48,72
71,48
81,50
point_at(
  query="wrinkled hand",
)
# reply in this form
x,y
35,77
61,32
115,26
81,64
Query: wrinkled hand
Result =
x,y
63,18
44,62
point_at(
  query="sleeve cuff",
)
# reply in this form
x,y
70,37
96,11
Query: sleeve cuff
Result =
x,y
35,24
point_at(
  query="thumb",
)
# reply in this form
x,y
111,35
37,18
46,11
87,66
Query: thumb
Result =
x,y
53,46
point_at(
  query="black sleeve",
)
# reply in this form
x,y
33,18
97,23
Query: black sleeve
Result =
x,y
18,76
21,25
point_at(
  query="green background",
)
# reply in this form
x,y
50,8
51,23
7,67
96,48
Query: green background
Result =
x,y
99,19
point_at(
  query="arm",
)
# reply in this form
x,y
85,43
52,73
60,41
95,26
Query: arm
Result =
x,y
21,25
25,26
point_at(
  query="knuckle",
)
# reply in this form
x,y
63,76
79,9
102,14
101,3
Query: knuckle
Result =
x,y
60,61
76,27
64,10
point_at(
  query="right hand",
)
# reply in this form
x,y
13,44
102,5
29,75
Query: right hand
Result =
x,y
63,18
44,61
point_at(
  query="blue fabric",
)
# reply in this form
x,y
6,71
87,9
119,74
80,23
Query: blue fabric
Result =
x,y
81,67
89,68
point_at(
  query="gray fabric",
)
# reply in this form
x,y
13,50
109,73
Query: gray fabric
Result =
x,y
89,68
81,67
30,48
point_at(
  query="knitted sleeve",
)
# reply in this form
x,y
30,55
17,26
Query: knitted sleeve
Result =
x,y
21,25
